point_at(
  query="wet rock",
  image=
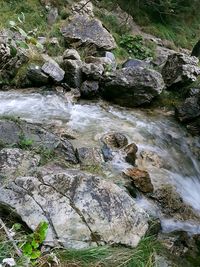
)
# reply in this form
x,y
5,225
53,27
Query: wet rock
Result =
x,y
114,140
73,72
90,157
193,92
152,158
53,70
141,179
92,71
132,86
180,69
71,54
172,204
85,30
89,89
131,151
15,162
82,210
36,75
189,110
134,63
194,126
21,132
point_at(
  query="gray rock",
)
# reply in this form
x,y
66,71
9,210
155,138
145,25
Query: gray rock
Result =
x,y
36,75
93,71
82,210
71,54
132,87
111,57
53,70
90,157
189,110
73,72
180,69
83,7
15,162
89,89
52,16
88,31
134,63
17,132
104,61
11,59
131,151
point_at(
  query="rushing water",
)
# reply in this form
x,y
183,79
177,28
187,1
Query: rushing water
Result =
x,y
153,132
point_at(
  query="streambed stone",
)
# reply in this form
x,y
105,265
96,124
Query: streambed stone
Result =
x,y
82,210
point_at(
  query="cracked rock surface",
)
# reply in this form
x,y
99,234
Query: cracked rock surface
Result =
x,y
82,210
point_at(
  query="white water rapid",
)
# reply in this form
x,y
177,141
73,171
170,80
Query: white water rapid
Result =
x,y
152,131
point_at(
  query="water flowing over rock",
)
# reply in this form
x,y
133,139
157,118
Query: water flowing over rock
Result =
x,y
85,30
82,210
180,69
132,86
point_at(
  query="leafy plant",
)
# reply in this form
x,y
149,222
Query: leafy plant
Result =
x,y
135,46
24,143
31,247
29,37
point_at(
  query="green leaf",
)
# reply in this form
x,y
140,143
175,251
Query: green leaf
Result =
x,y
22,32
13,51
41,232
12,23
35,255
39,46
22,44
27,249
34,244
17,226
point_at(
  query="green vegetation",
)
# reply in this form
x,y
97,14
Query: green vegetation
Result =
x,y
34,13
142,256
135,46
25,247
175,20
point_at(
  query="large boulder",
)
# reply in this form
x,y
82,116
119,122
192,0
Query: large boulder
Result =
x,y
23,134
36,76
132,87
82,210
180,69
86,30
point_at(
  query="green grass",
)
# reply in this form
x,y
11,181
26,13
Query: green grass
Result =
x,y
35,14
142,256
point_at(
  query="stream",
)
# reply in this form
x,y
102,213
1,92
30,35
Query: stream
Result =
x,y
155,132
